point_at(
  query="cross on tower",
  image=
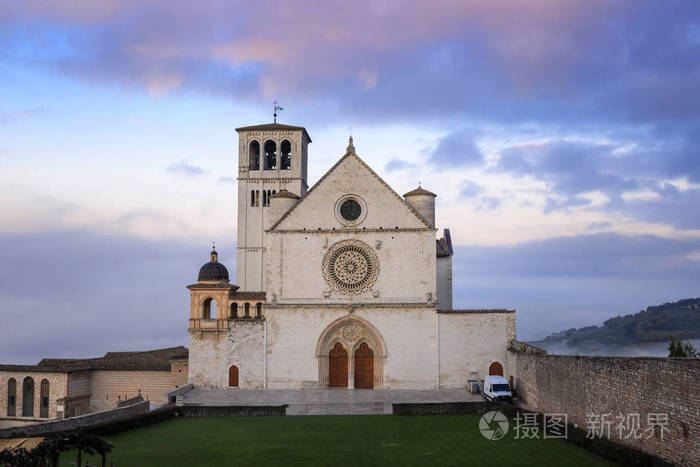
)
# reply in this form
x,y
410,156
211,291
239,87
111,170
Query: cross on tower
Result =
x,y
275,109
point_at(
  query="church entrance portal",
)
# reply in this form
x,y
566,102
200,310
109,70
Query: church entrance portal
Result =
x,y
496,369
351,354
338,367
364,367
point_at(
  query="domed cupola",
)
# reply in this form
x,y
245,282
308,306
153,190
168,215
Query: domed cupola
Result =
x,y
213,271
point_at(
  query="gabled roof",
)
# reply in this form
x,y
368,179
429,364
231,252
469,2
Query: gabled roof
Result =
x,y
351,153
158,359
273,127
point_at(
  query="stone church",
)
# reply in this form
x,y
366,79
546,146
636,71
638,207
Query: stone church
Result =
x,y
345,284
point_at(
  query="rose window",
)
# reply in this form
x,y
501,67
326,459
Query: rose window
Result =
x,y
350,266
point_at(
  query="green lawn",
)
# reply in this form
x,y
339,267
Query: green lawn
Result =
x,y
358,440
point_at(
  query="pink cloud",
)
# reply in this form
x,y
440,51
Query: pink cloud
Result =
x,y
314,48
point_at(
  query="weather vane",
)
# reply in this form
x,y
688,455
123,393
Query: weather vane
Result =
x,y
275,109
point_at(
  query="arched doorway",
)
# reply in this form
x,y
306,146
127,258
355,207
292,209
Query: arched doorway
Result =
x,y
496,369
340,340
364,367
338,367
233,376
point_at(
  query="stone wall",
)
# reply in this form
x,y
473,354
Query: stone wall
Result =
x,y
57,390
233,411
108,387
74,423
78,383
471,341
179,372
446,408
212,354
581,386
444,282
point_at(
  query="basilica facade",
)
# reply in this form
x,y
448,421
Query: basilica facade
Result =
x,y
345,284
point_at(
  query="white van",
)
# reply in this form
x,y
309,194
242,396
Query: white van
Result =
x,y
496,388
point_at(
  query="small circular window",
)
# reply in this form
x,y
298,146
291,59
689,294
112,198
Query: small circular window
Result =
x,y
350,210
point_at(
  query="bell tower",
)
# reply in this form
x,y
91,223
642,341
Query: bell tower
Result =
x,y
271,157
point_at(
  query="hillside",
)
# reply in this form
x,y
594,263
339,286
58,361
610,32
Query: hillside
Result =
x,y
655,324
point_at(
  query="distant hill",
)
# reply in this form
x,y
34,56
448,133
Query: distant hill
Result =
x,y
655,324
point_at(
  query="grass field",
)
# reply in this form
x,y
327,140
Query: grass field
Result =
x,y
358,440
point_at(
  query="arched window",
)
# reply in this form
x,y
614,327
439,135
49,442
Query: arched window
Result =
x,y
28,397
44,402
252,197
209,309
247,310
234,310
258,310
286,155
12,397
254,156
270,155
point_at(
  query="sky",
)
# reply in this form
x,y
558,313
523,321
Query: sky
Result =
x,y
561,138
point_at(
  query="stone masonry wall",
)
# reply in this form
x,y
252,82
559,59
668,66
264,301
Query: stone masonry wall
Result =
x,y
57,390
471,342
108,387
212,354
581,386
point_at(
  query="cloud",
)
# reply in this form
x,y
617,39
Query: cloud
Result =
x,y
469,189
569,168
488,203
226,180
456,149
395,165
182,167
553,204
559,283
593,226
14,115
91,283
558,63
680,209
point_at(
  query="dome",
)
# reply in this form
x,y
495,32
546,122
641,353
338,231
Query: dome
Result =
x,y
213,270
420,191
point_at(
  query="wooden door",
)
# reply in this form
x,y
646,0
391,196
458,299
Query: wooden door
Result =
x,y
364,367
233,376
496,369
338,367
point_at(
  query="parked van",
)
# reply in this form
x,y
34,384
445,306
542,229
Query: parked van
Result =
x,y
496,388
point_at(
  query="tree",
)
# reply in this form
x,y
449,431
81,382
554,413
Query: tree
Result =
x,y
679,349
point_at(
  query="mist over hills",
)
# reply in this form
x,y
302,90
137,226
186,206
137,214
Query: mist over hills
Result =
x,y
644,333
